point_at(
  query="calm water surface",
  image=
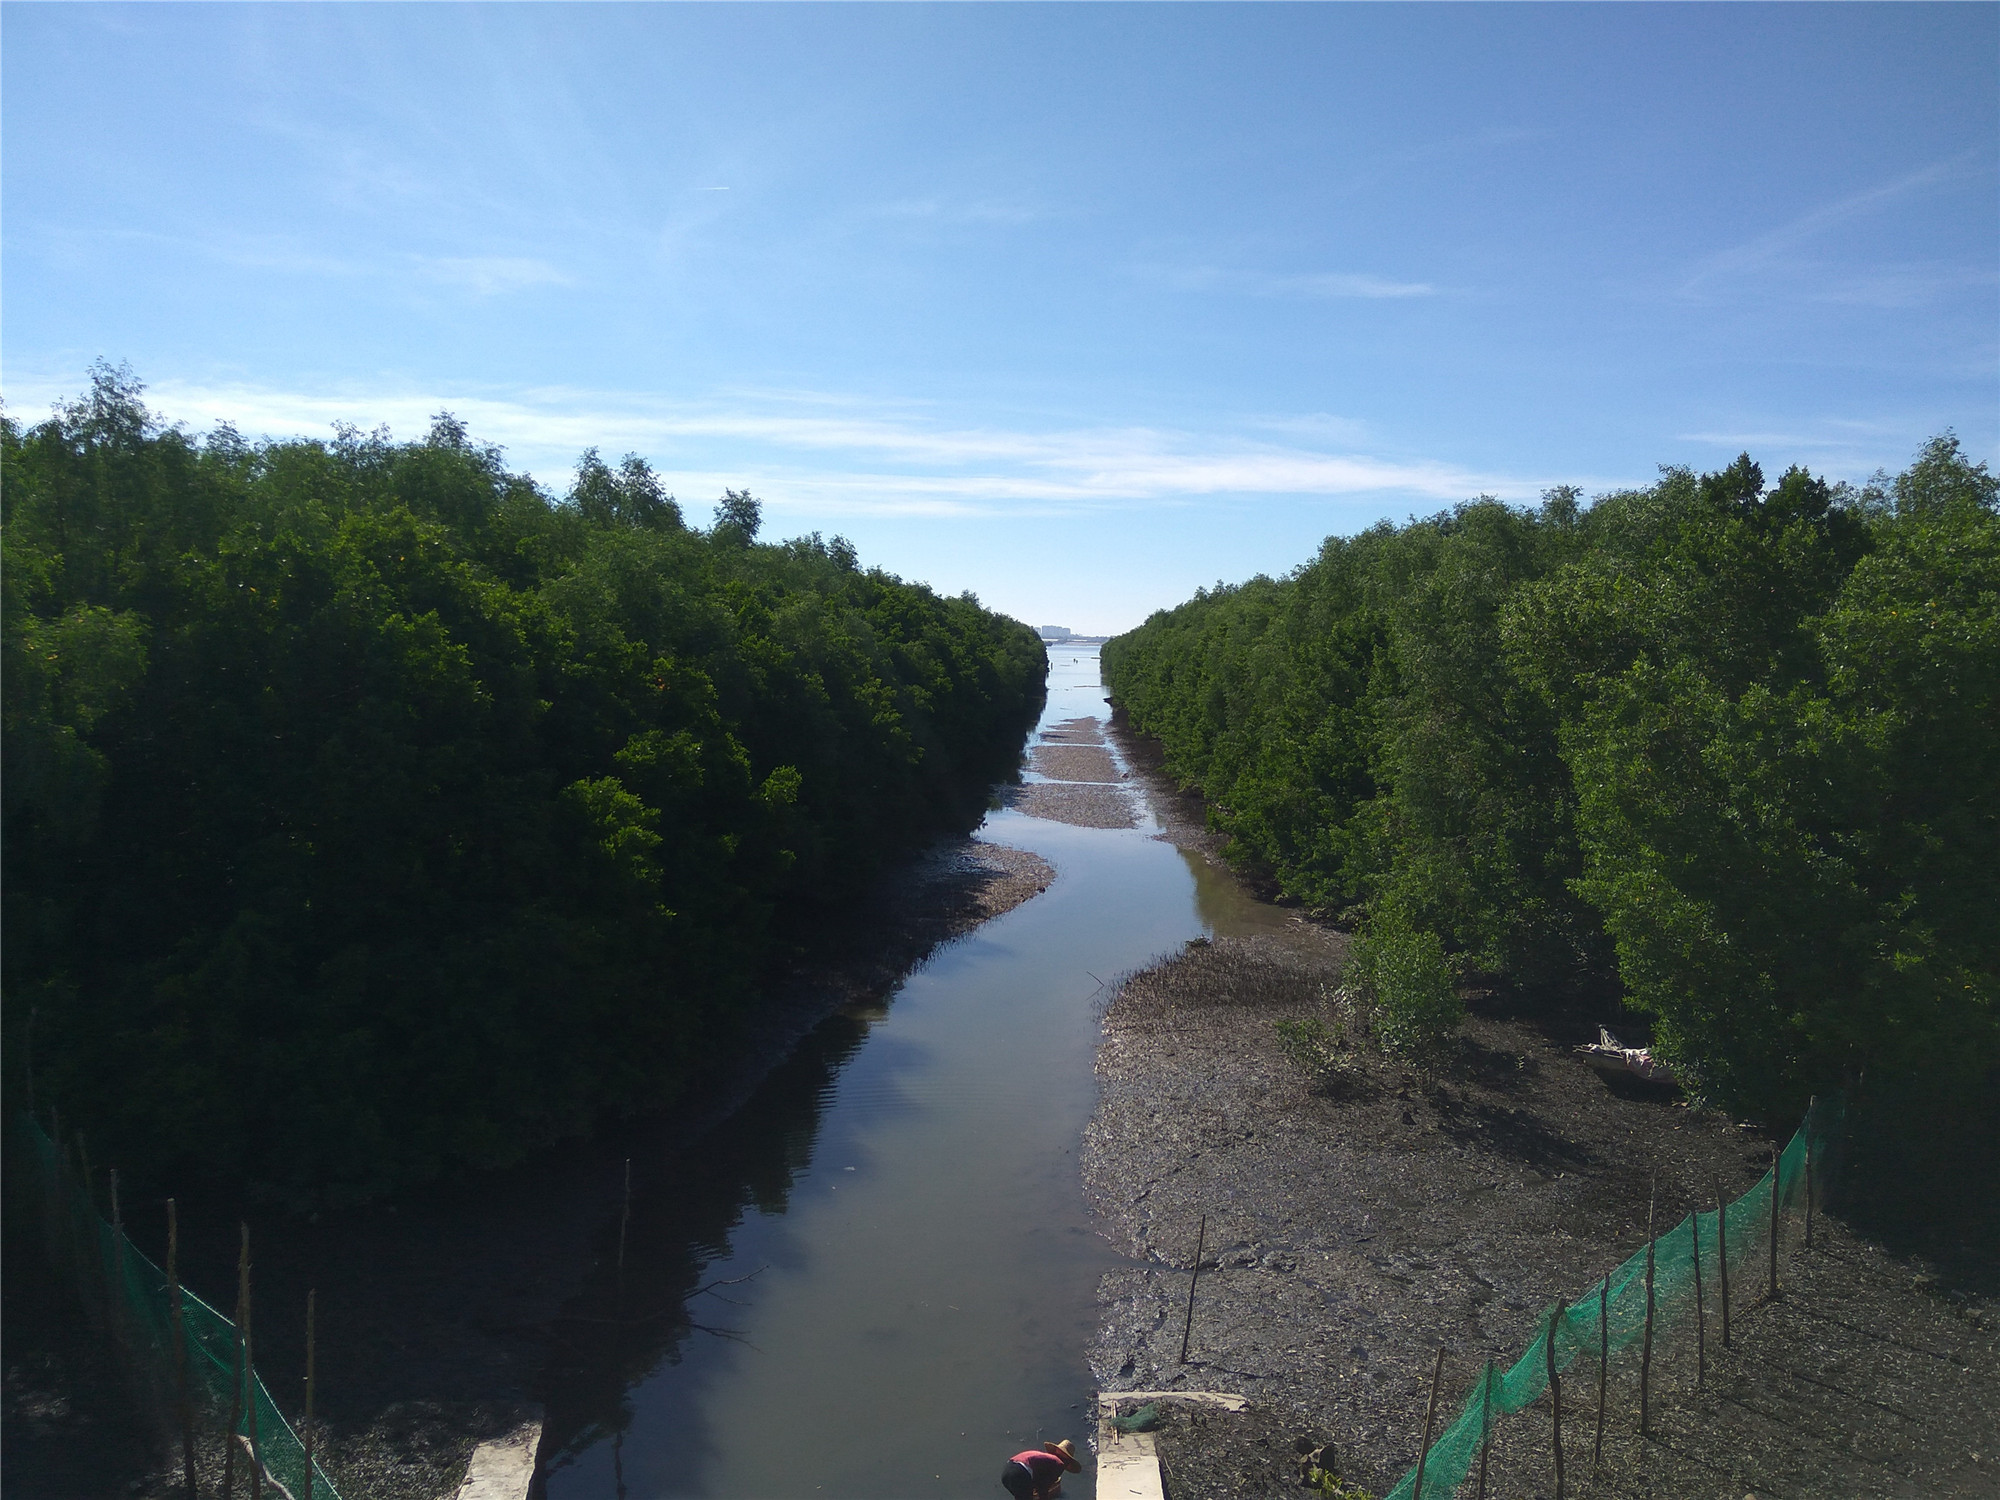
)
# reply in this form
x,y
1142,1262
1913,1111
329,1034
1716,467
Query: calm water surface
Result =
x,y
901,1270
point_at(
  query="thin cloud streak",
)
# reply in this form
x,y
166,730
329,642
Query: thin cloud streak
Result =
x,y
1312,286
491,275
1771,247
885,463
481,275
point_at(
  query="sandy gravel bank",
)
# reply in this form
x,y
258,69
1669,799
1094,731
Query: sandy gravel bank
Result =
x,y
1074,762
1078,803
1085,786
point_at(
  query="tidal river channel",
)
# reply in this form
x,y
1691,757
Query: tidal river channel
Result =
x,y
901,1270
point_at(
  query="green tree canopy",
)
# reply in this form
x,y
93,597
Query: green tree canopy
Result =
x,y
368,811
1728,749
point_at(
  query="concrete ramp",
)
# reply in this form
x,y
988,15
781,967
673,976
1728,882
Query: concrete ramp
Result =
x,y
503,1468
1128,1463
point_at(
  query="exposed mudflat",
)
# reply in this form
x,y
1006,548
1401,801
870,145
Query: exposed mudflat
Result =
x,y
1084,786
1355,1227
1074,762
1083,731
1079,803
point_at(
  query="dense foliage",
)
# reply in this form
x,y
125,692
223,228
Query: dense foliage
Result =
x,y
1732,748
369,811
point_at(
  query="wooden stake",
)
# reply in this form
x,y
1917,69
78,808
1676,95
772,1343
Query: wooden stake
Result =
x,y
312,1299
1700,1312
1555,1400
625,1215
1809,1187
1200,1243
1776,1162
1603,1358
1485,1425
1430,1415
1646,1354
1722,1257
250,1397
236,1385
115,1304
185,1406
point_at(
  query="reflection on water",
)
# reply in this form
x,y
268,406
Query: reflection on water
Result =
x,y
1225,908
879,1277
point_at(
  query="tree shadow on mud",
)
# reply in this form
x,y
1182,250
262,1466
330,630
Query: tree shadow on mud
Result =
x,y
1502,1130
1497,1068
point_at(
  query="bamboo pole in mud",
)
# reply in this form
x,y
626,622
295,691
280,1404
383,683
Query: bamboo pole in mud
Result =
x,y
60,1225
1485,1426
250,1396
625,1215
312,1299
1812,1139
184,1407
1809,1191
1776,1162
1430,1416
1187,1328
114,1307
1646,1353
1603,1359
1722,1257
236,1383
83,1241
1700,1311
1555,1398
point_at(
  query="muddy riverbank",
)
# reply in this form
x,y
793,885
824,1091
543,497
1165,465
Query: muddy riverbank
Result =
x,y
1354,1228
440,1310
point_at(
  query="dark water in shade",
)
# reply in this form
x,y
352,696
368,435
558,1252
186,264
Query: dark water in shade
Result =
x,y
903,1197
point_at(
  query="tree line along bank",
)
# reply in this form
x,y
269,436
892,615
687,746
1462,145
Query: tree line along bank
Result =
x,y
370,812
1727,751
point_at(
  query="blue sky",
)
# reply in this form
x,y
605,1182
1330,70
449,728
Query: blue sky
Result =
x,y
1076,308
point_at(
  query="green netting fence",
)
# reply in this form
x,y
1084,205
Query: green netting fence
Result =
x,y
1610,1318
197,1370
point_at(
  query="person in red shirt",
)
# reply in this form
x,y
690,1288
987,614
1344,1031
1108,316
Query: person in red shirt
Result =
x,y
1038,1473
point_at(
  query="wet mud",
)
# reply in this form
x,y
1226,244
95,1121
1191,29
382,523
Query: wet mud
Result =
x,y
1357,1223
1076,780
1073,762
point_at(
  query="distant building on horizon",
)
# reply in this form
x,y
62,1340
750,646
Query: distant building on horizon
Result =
x,y
1055,632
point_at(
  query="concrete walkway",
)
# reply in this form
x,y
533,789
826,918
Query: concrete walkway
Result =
x,y
1128,1463
503,1468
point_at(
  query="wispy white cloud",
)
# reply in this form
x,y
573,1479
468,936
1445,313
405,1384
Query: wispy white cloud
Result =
x,y
1781,247
988,211
1818,430
806,451
1318,426
489,275
479,275
1343,284
1315,285
1837,448
1901,286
